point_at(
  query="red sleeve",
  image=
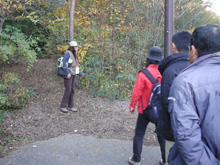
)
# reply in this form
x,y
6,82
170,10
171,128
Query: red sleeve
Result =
x,y
137,91
142,89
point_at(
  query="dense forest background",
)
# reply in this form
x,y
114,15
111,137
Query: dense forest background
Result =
x,y
114,35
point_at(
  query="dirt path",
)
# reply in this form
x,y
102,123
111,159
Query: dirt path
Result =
x,y
41,119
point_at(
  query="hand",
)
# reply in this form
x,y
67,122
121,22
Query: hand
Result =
x,y
131,109
68,76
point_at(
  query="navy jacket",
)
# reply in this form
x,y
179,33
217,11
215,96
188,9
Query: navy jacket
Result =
x,y
194,106
69,63
169,67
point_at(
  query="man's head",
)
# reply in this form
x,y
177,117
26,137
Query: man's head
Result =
x,y
205,40
181,41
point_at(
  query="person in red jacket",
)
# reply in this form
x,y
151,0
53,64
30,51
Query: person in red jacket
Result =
x,y
141,94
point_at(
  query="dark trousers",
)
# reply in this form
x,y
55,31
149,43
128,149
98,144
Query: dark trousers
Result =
x,y
68,96
142,122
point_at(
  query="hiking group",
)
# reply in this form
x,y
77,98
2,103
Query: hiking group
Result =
x,y
187,127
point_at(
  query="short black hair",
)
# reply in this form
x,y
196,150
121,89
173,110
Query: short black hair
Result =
x,y
206,39
182,40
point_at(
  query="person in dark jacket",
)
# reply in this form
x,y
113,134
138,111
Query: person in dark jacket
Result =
x,y
141,94
71,66
194,102
170,67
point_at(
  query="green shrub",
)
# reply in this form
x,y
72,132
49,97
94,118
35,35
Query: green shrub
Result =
x,y
2,130
12,94
15,47
106,81
2,115
2,95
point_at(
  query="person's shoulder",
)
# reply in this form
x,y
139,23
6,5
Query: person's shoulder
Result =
x,y
183,77
141,75
176,66
67,53
153,69
170,71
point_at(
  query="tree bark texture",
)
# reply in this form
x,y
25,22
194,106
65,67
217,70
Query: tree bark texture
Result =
x,y
71,28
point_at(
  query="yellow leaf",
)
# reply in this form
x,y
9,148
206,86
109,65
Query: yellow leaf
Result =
x,y
62,47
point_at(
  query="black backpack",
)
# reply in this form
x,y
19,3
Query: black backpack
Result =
x,y
154,105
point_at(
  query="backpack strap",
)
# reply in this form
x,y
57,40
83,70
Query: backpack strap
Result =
x,y
149,75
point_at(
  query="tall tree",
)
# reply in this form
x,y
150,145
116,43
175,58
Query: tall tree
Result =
x,y
71,28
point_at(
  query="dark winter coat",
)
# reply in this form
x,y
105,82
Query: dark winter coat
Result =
x,y
194,106
169,67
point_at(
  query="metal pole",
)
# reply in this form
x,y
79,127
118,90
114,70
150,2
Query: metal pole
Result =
x,y
169,27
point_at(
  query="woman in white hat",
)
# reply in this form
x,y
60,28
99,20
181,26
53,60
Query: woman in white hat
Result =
x,y
70,60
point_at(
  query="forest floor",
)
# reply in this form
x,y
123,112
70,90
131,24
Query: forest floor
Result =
x,y
41,119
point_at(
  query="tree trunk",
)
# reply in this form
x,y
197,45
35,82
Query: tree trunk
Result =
x,y
72,20
2,20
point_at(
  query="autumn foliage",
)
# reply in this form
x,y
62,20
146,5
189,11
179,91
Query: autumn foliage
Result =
x,y
114,35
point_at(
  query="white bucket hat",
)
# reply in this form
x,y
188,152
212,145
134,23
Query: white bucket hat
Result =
x,y
74,43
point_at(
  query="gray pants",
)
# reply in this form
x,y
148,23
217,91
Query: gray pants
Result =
x,y
68,97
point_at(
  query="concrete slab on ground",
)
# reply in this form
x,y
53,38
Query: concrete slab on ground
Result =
x,y
79,150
